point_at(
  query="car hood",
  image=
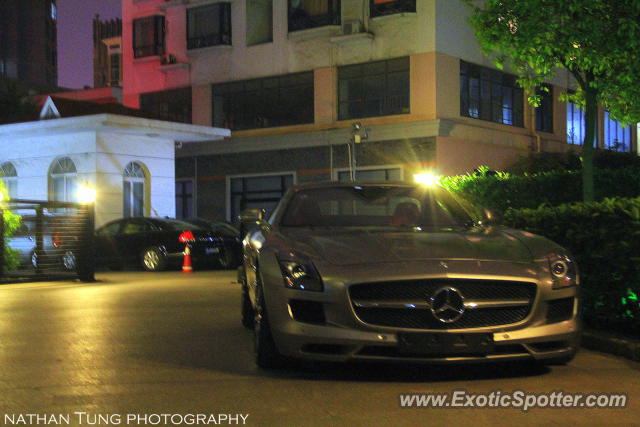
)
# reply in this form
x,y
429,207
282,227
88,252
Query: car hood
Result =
x,y
340,247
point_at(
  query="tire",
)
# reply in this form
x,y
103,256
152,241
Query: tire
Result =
x,y
69,261
152,259
34,259
247,313
267,355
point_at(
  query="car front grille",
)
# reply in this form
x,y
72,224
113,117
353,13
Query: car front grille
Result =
x,y
406,304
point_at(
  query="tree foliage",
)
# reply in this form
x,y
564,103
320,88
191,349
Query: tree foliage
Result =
x,y
11,224
596,41
15,103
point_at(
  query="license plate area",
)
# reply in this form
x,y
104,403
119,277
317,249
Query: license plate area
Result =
x,y
445,343
211,251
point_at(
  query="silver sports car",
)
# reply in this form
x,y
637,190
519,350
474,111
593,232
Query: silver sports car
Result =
x,y
363,271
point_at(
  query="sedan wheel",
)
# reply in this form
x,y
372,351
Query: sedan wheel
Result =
x,y
153,259
69,260
227,259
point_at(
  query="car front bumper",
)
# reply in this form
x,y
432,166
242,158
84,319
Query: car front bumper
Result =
x,y
343,336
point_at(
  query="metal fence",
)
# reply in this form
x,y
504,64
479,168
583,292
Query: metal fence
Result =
x,y
55,240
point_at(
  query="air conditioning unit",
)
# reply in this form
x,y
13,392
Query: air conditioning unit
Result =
x,y
351,27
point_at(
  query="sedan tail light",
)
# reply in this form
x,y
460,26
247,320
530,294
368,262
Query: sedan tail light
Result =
x,y
186,236
56,239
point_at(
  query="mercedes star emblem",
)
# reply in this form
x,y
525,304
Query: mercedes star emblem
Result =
x,y
447,304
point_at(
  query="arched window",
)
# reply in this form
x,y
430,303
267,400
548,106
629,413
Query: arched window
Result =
x,y
133,190
63,180
9,178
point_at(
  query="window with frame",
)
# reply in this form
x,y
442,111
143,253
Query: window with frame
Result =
x,y
262,103
148,36
575,124
9,177
390,7
491,95
133,190
544,112
209,25
184,199
373,89
257,192
305,14
63,181
616,136
172,104
114,60
259,22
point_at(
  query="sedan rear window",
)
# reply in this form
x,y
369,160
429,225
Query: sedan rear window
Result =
x,y
378,206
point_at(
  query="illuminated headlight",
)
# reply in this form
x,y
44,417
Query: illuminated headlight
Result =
x,y
563,271
298,274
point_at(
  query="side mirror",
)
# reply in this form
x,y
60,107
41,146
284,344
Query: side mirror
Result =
x,y
251,215
490,217
250,219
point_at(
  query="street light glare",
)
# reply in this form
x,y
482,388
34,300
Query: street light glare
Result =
x,y
86,194
428,179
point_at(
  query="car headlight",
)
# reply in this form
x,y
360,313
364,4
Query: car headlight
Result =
x,y
300,274
563,271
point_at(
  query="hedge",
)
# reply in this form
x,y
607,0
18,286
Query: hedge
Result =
x,y
604,238
501,190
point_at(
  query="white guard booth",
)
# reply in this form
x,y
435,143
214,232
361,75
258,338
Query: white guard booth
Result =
x,y
129,161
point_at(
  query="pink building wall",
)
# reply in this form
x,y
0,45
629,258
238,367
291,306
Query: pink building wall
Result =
x,y
148,74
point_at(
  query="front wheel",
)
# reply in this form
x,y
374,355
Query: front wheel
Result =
x,y
69,261
34,259
153,259
267,355
247,313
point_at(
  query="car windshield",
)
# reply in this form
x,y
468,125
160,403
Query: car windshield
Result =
x,y
375,206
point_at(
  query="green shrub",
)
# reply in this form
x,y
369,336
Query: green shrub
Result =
x,y
604,237
11,224
502,191
547,161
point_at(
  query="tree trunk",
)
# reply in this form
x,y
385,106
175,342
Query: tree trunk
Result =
x,y
591,118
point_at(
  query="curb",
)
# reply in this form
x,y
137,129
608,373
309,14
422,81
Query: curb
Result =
x,y
608,343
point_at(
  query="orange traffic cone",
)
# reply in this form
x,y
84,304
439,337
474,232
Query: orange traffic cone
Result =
x,y
186,265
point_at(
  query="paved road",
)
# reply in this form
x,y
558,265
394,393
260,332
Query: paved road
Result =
x,y
141,343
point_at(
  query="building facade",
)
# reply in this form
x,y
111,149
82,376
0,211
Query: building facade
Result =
x,y
107,52
28,47
296,80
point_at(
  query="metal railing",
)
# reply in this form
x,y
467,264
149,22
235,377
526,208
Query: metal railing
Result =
x,y
55,240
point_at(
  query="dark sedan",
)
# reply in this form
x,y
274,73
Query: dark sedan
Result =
x,y
228,238
154,243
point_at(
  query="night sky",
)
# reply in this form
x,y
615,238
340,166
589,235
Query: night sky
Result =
x,y
75,48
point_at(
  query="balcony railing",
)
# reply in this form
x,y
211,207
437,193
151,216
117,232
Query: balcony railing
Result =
x,y
390,7
208,40
301,18
148,50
